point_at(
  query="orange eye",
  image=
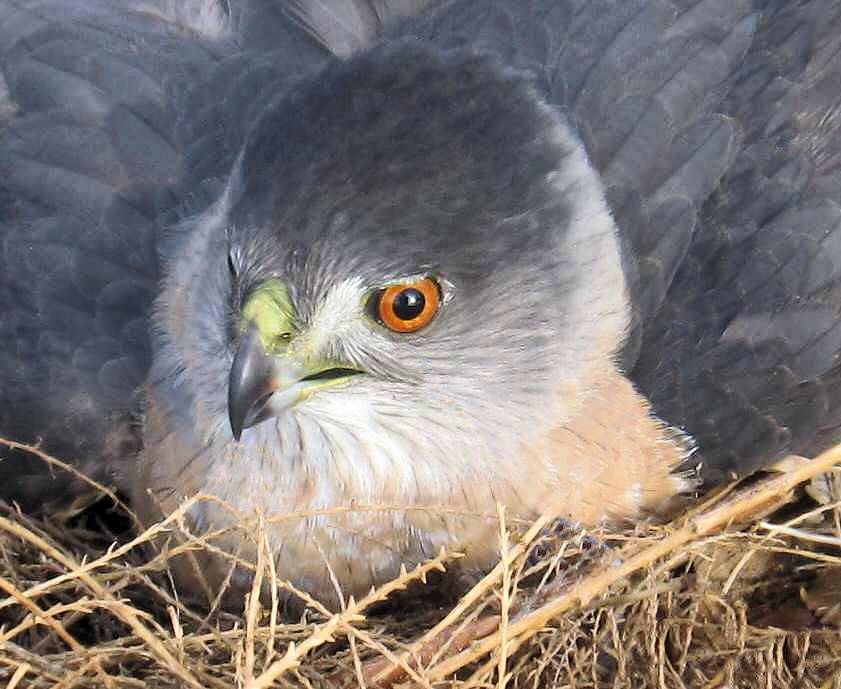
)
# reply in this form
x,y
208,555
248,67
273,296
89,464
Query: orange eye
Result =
x,y
408,307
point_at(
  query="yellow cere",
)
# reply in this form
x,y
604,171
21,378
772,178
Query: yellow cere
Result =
x,y
270,309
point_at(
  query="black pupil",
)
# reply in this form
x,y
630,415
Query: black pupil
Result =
x,y
409,304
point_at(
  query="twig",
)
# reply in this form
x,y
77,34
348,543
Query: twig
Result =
x,y
129,616
8,588
20,673
324,633
800,534
381,672
69,468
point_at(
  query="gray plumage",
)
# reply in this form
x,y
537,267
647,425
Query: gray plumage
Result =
x,y
158,162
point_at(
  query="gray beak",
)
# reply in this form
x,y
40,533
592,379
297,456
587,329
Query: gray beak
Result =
x,y
250,383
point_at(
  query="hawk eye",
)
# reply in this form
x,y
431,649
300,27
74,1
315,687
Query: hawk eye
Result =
x,y
407,307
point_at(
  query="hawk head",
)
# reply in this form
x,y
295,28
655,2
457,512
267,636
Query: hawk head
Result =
x,y
412,276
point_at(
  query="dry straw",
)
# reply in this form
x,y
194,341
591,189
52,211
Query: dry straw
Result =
x,y
742,590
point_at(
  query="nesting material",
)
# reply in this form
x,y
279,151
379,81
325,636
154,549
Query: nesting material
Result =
x,y
742,590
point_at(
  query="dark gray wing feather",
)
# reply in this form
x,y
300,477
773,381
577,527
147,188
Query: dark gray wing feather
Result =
x,y
715,126
745,351
84,168
346,26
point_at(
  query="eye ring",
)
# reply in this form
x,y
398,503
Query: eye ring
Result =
x,y
409,306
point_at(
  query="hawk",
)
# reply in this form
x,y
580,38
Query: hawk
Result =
x,y
424,258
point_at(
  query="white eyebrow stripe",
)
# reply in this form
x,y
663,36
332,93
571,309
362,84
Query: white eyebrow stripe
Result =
x,y
338,313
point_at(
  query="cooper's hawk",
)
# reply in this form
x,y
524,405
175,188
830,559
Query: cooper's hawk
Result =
x,y
316,255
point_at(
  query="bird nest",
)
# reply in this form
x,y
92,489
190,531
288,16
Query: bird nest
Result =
x,y
743,590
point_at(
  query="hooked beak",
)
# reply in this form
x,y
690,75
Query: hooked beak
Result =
x,y
250,382
261,385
